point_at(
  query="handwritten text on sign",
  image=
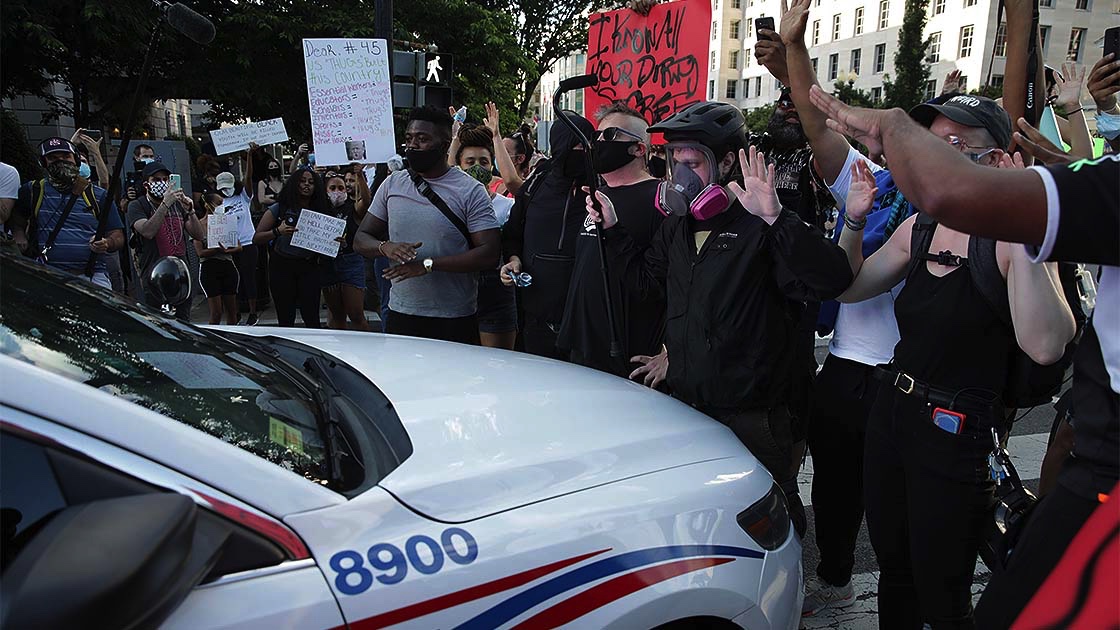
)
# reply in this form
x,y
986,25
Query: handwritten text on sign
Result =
x,y
221,229
237,138
349,89
652,63
317,232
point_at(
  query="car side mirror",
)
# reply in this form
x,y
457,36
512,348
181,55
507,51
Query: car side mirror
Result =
x,y
119,563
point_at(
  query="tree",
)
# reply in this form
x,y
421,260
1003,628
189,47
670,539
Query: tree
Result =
x,y
990,91
851,95
758,118
911,70
547,32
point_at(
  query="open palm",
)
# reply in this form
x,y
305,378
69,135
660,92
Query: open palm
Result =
x,y
794,19
757,193
1069,89
861,192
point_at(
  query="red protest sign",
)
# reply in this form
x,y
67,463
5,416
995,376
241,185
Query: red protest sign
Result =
x,y
653,63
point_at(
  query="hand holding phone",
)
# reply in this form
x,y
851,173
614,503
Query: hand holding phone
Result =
x,y
762,23
176,181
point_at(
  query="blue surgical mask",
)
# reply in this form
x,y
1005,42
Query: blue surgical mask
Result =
x,y
83,170
1108,125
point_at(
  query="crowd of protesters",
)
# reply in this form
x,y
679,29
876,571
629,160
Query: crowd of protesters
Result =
x,y
705,265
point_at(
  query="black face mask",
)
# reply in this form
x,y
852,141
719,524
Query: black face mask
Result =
x,y
657,166
575,166
611,156
426,160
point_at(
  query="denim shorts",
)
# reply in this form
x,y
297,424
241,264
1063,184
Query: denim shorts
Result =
x,y
497,306
348,269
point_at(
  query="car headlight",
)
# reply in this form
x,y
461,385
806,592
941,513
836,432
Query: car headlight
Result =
x,y
767,521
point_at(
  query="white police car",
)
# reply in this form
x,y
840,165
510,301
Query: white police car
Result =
x,y
154,473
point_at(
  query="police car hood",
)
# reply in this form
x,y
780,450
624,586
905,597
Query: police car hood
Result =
x,y
493,430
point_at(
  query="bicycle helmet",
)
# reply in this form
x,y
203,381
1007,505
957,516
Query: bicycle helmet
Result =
x,y
719,126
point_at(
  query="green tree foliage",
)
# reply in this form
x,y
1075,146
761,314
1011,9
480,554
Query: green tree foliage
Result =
x,y
989,91
14,148
758,118
907,89
852,95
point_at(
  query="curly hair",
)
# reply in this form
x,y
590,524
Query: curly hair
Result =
x,y
475,136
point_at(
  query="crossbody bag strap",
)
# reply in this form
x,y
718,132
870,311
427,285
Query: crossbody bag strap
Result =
x,y
431,195
53,236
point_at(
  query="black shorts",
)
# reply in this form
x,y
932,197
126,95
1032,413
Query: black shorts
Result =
x,y
497,306
219,277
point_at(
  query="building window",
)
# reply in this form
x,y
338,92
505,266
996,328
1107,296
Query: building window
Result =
x,y
1049,4
966,42
1044,34
836,27
750,29
997,81
859,21
1081,5
962,85
1073,53
880,58
814,62
747,58
715,5
931,89
733,60
938,7
876,94
758,87
736,4
969,3
1001,40
777,85
734,30
713,60
167,122
856,54
933,53
715,26
182,125
731,85
833,66
884,13
816,32
711,89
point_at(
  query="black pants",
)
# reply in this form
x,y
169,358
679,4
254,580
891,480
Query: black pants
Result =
x,y
1052,525
296,283
928,497
457,329
540,338
769,437
246,261
837,425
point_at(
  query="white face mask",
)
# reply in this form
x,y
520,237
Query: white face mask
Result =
x,y
337,197
158,189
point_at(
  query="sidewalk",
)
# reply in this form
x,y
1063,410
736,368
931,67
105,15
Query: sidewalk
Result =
x,y
200,314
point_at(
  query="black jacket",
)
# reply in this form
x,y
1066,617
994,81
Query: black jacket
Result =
x,y
543,225
732,307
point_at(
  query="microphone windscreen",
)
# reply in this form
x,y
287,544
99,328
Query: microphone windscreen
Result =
x,y
185,20
580,82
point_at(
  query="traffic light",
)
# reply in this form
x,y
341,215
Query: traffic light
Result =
x,y
422,78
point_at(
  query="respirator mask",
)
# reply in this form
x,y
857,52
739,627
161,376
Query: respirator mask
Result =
x,y
692,185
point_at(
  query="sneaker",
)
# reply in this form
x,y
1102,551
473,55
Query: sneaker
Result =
x,y
253,319
820,595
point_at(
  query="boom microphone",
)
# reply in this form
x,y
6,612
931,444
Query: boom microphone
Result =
x,y
190,23
580,82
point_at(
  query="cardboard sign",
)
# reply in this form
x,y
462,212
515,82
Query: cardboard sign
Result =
x,y
655,64
221,229
350,93
237,138
317,232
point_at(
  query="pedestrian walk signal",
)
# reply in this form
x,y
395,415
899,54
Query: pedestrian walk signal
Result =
x,y
433,68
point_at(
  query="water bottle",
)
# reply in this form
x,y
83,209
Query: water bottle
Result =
x,y
461,115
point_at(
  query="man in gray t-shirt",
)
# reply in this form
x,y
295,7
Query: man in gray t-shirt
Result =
x,y
435,264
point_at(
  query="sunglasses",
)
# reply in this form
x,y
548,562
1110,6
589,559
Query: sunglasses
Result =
x,y
959,144
615,134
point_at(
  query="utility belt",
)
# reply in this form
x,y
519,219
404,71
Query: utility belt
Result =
x,y
985,412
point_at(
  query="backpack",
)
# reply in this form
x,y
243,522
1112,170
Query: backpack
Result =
x,y
1028,383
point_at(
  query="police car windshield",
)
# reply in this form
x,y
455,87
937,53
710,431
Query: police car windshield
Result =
x,y
67,326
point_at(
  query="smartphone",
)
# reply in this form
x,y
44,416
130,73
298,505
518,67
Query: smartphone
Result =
x,y
176,181
94,134
1112,42
946,420
763,23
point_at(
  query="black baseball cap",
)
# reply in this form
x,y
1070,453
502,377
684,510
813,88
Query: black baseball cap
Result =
x,y
57,145
154,167
970,110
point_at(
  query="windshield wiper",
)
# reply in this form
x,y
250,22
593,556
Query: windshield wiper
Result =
x,y
328,424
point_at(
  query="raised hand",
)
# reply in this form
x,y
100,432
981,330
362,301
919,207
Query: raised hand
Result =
x,y
455,124
1069,88
861,192
770,53
794,19
757,193
1011,160
952,82
492,120
1104,82
860,123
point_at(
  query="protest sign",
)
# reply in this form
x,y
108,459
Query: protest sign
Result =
x,y
237,138
350,93
654,63
221,229
317,232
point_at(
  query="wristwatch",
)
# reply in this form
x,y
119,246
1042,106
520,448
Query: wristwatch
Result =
x,y
428,262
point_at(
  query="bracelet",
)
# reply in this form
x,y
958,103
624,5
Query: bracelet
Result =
x,y
854,226
379,246
1079,109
